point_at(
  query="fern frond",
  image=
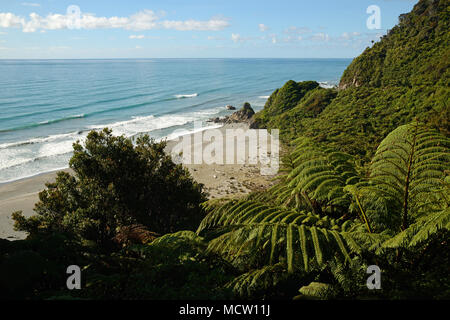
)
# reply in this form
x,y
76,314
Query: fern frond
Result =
x,y
407,173
420,231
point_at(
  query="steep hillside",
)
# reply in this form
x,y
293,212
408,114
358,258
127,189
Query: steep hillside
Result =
x,y
415,52
403,77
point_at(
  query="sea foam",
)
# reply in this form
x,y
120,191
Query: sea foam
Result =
x,y
181,96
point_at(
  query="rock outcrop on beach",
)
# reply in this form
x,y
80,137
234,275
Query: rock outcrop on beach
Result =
x,y
245,114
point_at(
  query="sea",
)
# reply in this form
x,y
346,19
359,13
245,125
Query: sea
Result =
x,y
47,105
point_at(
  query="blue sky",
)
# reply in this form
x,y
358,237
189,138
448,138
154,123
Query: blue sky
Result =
x,y
42,29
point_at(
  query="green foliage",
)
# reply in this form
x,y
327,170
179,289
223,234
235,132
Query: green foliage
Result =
x,y
287,97
269,282
414,53
420,231
318,177
115,184
284,99
292,227
403,77
290,121
36,267
255,235
174,266
407,176
419,272
315,291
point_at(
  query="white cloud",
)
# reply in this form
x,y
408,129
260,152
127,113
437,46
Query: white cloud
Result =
x,y
292,38
263,27
143,20
214,24
236,37
320,37
349,35
134,36
30,4
9,20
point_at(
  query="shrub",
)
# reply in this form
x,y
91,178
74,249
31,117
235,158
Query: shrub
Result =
x,y
115,184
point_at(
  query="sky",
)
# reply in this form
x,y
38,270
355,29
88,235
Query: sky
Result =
x,y
86,29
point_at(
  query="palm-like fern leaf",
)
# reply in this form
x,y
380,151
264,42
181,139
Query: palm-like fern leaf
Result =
x,y
319,176
408,171
256,235
420,231
256,283
314,180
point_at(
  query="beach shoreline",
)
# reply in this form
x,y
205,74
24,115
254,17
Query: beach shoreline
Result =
x,y
219,180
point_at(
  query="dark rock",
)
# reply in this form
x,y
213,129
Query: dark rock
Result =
x,y
218,120
230,107
243,115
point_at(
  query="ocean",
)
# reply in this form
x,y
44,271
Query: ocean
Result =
x,y
47,105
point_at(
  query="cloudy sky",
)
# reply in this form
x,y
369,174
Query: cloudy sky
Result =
x,y
48,29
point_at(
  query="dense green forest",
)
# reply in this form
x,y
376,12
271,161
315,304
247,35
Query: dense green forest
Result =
x,y
365,181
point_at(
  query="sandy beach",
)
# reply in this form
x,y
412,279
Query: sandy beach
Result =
x,y
220,180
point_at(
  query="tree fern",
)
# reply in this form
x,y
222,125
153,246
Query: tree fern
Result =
x,y
254,235
315,291
407,173
318,178
239,213
290,226
314,180
420,231
260,283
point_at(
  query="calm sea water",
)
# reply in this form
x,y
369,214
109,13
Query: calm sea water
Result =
x,y
46,105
